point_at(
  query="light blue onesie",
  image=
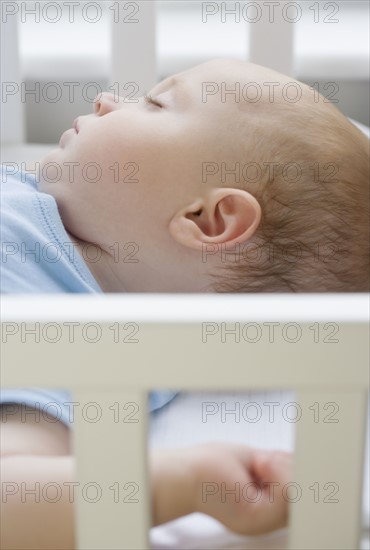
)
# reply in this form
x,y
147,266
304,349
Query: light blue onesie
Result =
x,y
37,256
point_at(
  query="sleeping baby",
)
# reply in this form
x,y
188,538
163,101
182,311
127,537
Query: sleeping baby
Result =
x,y
228,177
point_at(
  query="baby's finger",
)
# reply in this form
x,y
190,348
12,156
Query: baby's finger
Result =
x,y
271,466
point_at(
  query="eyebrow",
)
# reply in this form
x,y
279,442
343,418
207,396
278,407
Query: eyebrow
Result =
x,y
172,84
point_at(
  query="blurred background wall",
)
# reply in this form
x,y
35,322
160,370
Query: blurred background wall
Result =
x,y
61,61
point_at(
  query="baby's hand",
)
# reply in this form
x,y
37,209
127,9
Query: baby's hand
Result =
x,y
242,487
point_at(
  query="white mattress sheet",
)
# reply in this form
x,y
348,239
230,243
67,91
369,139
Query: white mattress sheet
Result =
x,y
180,424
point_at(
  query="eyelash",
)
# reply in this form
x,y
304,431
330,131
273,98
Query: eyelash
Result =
x,y
148,99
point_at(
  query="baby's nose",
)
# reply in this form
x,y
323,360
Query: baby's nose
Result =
x,y
105,103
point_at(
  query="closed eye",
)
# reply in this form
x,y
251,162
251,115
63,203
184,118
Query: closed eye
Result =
x,y
148,99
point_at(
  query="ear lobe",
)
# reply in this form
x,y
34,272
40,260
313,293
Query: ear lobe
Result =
x,y
225,216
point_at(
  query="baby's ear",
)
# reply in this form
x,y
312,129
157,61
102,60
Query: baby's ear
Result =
x,y
224,216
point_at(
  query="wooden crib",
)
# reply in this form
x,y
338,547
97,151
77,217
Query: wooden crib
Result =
x,y
336,370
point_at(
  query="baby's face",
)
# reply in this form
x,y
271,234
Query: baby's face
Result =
x,y
132,165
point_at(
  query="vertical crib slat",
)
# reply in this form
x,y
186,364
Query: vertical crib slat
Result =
x,y
12,108
271,38
133,54
113,497
329,462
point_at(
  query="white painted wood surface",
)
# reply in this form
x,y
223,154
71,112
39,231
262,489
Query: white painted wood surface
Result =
x,y
170,353
12,108
271,38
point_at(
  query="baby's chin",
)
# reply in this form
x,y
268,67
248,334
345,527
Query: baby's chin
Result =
x,y
52,156
51,167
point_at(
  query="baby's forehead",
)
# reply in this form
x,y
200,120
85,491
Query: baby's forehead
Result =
x,y
236,70
247,84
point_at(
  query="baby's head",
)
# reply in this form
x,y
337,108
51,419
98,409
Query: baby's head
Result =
x,y
237,178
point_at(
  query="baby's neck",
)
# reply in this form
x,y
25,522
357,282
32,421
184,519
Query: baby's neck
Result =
x,y
101,269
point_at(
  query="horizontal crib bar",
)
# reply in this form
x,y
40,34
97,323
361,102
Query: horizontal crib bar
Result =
x,y
187,356
185,308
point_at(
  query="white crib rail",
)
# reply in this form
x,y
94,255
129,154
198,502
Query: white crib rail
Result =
x,y
271,40
133,47
170,353
12,108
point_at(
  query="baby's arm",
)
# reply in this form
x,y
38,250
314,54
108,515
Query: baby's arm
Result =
x,y
36,453
25,523
235,484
